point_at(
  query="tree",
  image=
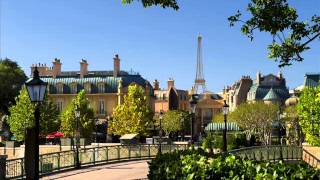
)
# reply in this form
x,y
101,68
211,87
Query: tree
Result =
x,y
290,36
174,121
12,78
256,119
69,121
134,115
22,116
163,3
308,109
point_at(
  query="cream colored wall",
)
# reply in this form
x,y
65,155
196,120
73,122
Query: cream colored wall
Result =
x,y
110,100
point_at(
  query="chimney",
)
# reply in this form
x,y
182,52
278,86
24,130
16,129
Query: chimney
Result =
x,y
280,76
156,85
42,68
170,83
83,68
258,77
116,66
56,67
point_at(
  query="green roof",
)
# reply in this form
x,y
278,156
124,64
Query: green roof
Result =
x,y
272,95
231,126
312,80
111,83
261,92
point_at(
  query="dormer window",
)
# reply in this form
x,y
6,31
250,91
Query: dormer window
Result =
x,y
59,88
73,88
101,87
87,87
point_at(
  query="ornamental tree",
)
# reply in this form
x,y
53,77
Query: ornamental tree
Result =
x,y
22,116
290,35
134,116
256,119
86,120
174,121
308,109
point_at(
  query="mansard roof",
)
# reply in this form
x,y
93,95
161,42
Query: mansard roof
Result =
x,y
111,83
312,80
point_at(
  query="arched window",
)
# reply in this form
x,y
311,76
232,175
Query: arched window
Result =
x,y
87,87
101,87
59,88
73,88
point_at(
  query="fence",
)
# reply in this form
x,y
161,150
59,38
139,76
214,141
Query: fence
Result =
x,y
58,161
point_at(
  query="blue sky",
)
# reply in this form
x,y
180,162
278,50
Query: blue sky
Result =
x,y
157,43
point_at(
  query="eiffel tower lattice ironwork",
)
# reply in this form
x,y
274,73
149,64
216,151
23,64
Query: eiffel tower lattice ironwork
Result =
x,y
199,83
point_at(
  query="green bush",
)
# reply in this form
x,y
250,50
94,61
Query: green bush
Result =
x,y
196,164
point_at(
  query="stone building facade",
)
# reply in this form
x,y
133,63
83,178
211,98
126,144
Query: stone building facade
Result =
x,y
105,89
169,98
237,93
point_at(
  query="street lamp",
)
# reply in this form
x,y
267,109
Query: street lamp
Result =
x,y
193,104
36,89
160,131
77,115
225,110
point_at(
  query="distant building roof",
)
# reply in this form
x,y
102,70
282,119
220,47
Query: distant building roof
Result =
x,y
312,80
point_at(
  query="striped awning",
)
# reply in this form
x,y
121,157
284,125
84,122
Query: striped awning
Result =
x,y
231,126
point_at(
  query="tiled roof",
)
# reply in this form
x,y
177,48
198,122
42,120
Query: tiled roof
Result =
x,y
261,91
312,80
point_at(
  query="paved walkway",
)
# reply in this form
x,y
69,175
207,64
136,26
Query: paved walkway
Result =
x,y
119,171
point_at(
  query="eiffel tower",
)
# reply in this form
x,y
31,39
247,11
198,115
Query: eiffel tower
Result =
x,y
199,82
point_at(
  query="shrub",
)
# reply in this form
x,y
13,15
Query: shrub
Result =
x,y
196,164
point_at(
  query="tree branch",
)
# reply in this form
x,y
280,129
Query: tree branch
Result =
x,y
313,38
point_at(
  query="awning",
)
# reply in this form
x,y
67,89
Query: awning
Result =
x,y
128,136
231,126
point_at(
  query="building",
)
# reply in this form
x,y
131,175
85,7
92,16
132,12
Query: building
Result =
x,y
105,89
208,105
170,98
312,80
237,93
269,88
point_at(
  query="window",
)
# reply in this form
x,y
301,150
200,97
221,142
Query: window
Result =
x,y
101,87
73,88
101,107
164,96
60,88
87,87
59,105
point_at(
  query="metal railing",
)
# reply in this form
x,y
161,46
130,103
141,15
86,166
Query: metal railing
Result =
x,y
270,153
59,161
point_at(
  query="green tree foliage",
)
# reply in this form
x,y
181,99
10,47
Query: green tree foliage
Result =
x,y
309,108
162,3
134,115
174,121
12,78
22,116
256,119
291,36
69,121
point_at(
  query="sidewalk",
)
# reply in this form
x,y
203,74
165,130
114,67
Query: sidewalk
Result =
x,y
119,171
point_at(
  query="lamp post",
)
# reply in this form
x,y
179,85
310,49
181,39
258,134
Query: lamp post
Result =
x,y
36,89
193,104
108,121
280,134
77,115
225,110
160,131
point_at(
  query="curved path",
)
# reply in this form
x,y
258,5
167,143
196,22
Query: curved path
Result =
x,y
118,171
